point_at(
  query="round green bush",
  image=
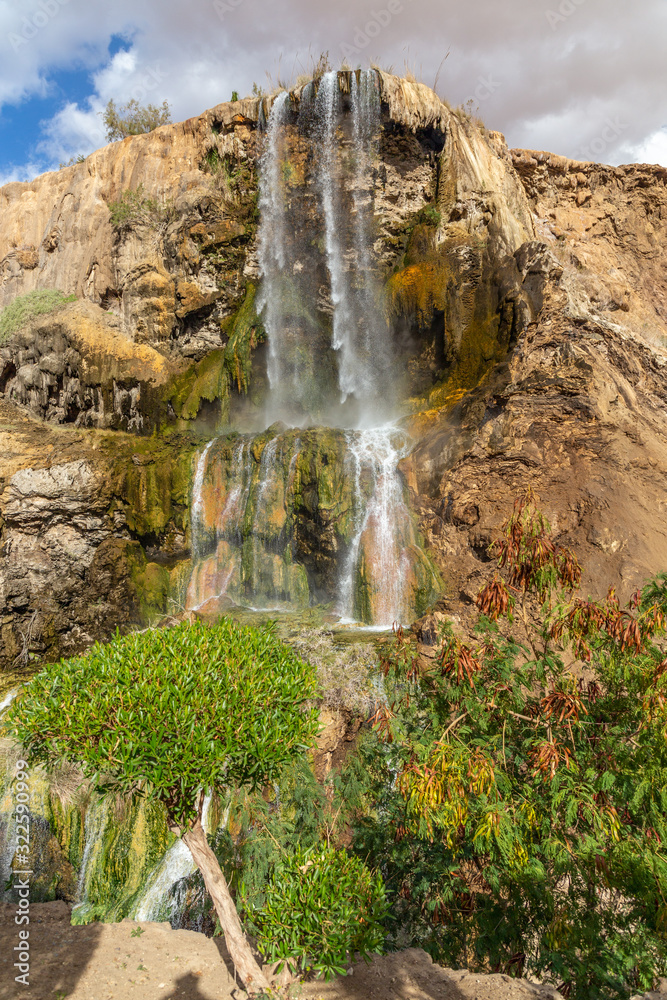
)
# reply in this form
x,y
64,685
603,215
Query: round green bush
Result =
x,y
321,908
170,712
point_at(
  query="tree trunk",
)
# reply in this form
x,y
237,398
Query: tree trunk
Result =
x,y
237,944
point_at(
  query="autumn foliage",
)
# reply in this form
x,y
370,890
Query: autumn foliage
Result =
x,y
531,762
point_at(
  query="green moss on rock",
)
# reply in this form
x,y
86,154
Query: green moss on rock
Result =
x,y
152,484
245,333
205,381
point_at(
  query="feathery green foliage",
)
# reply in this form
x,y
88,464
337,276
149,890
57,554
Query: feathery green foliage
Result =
x,y
171,712
133,118
26,307
532,796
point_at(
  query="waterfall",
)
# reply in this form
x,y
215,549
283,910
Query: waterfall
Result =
x,y
344,319
374,373
273,512
160,899
283,360
242,527
198,500
360,335
383,530
96,818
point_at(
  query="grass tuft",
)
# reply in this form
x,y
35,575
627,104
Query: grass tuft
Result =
x,y
25,307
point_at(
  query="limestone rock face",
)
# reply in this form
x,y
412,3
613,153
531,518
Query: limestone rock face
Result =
x,y
55,231
54,521
609,227
527,291
75,366
577,412
71,568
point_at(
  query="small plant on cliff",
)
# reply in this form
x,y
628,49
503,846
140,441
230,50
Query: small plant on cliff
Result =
x,y
523,802
25,307
133,118
429,216
79,158
174,715
135,208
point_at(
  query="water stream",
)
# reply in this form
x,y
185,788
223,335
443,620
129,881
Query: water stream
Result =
x,y
383,524
160,899
271,246
255,510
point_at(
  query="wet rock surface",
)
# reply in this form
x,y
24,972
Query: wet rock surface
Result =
x,y
71,564
527,290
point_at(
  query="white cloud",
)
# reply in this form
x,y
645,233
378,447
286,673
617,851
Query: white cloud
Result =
x,y
654,149
561,78
72,131
24,173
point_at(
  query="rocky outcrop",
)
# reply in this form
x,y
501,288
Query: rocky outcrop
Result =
x,y
82,514
74,366
609,226
159,230
526,292
576,411
56,231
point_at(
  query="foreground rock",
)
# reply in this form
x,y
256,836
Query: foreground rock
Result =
x,y
142,961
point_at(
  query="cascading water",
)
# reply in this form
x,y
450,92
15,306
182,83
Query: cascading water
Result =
x,y
257,500
196,514
160,899
271,247
96,818
360,335
344,319
383,530
8,699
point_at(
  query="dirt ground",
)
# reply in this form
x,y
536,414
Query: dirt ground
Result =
x,y
114,962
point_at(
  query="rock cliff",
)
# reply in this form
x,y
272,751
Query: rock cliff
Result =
x,y
527,292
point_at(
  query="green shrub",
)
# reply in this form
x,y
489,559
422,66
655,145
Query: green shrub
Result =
x,y
322,908
213,163
133,118
173,715
25,307
133,209
168,712
522,802
429,216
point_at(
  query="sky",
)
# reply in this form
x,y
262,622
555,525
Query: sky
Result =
x,y
584,78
